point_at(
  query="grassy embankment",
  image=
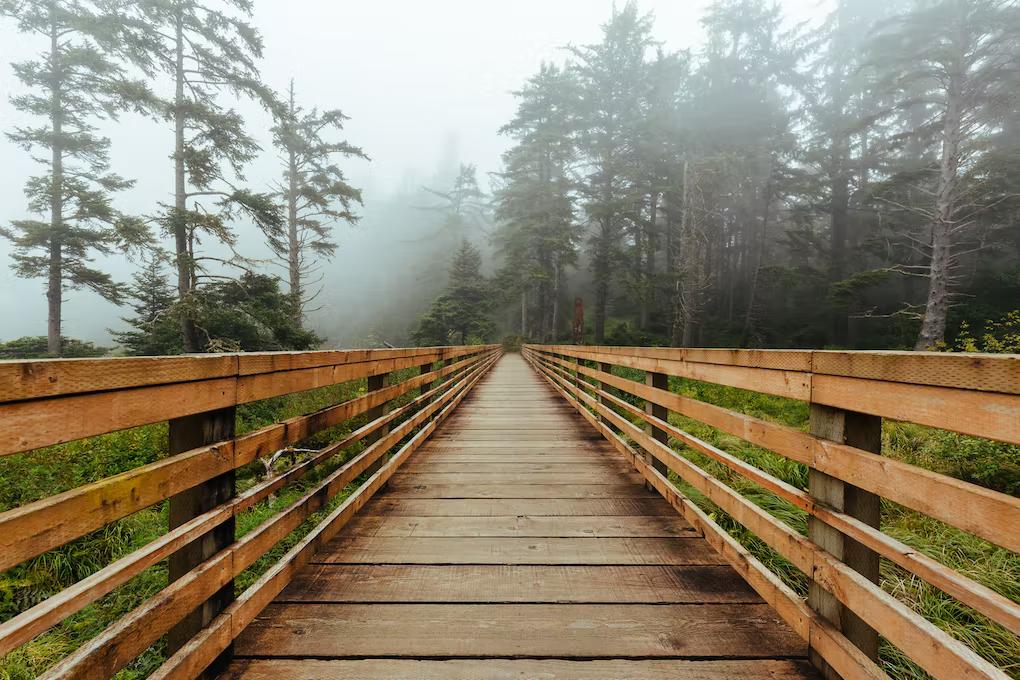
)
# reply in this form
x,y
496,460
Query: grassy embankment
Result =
x,y
982,462
42,473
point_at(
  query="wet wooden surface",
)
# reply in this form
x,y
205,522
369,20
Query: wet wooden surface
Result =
x,y
518,544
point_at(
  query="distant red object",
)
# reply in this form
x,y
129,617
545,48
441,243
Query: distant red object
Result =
x,y
578,321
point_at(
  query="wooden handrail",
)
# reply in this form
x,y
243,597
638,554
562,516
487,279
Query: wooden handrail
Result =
x,y
48,402
950,403
130,392
984,389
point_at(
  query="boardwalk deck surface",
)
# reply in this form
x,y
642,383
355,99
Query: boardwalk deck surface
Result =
x,y
518,544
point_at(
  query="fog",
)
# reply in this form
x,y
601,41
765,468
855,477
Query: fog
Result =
x,y
427,85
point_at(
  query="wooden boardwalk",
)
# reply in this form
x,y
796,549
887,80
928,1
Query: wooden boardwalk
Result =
x,y
517,543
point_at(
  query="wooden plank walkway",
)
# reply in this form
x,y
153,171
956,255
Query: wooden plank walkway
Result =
x,y
518,544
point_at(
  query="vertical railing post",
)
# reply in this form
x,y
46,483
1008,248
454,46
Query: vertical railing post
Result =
x,y
660,381
863,432
375,383
422,370
185,434
605,368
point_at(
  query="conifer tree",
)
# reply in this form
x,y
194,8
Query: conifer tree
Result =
x,y
535,205
956,60
155,331
461,313
315,194
78,80
613,76
209,48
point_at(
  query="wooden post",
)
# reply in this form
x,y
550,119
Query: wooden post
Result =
x,y
188,433
377,382
863,432
422,370
605,368
661,381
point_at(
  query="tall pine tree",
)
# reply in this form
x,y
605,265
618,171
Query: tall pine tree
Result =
x,y
612,75
78,80
315,193
537,233
209,48
955,62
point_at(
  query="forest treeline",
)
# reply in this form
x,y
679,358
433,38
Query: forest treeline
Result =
x,y
176,62
851,183
848,182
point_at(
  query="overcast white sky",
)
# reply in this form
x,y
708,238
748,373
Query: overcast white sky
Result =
x,y
411,74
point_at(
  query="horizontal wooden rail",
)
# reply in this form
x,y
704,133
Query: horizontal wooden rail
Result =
x,y
32,417
50,386
991,515
957,407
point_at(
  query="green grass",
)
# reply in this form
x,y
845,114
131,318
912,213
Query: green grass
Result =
x,y
990,464
42,473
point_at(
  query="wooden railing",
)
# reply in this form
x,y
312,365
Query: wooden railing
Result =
x,y
43,403
849,394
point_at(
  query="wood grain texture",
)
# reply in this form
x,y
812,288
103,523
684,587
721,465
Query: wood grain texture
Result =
x,y
514,669
471,550
519,584
594,526
522,631
532,507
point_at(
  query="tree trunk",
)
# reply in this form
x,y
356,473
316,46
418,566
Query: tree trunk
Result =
x,y
602,270
524,313
760,258
936,312
554,321
293,244
185,261
54,283
839,219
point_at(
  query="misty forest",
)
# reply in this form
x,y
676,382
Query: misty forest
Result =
x,y
845,176
846,183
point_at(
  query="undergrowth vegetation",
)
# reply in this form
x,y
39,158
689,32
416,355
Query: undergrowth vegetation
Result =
x,y
983,462
45,472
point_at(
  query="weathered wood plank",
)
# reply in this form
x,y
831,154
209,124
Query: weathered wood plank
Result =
x,y
515,669
532,507
413,630
467,550
621,490
590,476
593,526
329,583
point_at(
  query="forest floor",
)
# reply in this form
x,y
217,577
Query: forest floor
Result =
x,y
39,474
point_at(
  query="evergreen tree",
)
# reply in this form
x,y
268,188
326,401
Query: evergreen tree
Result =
x,y
208,48
315,193
460,315
612,76
247,314
954,62
537,234
837,99
78,80
250,314
155,329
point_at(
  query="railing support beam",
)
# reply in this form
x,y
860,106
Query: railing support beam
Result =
x,y
188,433
658,381
863,432
375,383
